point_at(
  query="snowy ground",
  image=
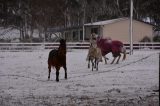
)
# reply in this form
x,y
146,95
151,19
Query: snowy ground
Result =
x,y
133,82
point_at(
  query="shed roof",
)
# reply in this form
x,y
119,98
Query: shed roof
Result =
x,y
110,22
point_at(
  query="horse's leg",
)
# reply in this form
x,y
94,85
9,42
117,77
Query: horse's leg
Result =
x,y
95,60
57,73
92,64
65,69
105,59
97,65
89,63
113,60
124,56
118,59
124,53
49,71
88,57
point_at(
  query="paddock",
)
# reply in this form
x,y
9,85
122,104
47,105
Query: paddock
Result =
x,y
23,80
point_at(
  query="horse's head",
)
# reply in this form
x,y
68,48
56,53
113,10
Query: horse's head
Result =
x,y
62,47
99,40
99,37
62,42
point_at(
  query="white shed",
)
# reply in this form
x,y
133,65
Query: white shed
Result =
x,y
118,29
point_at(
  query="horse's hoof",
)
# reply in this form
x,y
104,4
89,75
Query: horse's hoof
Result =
x,y
57,80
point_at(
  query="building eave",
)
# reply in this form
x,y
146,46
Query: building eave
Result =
x,y
100,23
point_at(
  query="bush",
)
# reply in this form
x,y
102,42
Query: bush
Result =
x,y
156,38
37,40
146,39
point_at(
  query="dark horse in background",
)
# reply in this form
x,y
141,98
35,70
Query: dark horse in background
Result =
x,y
57,59
114,46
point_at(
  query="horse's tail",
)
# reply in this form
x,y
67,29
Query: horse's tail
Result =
x,y
52,54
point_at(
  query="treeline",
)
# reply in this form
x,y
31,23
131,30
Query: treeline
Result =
x,y
27,15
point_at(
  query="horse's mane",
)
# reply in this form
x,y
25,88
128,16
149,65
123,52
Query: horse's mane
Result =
x,y
62,47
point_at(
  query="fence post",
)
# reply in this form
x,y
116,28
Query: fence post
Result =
x,y
152,46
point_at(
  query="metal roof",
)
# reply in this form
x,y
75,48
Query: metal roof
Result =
x,y
106,21
113,21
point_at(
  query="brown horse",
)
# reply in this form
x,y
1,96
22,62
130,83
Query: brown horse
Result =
x,y
115,47
57,59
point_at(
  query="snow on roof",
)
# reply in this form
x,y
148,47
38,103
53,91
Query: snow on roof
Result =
x,y
106,21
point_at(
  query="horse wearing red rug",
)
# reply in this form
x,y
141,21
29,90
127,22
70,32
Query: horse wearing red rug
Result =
x,y
114,46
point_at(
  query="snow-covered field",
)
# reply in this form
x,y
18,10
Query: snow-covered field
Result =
x,y
133,82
